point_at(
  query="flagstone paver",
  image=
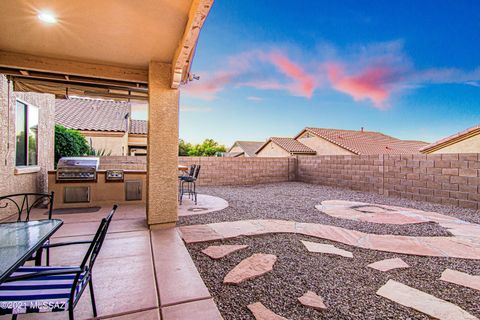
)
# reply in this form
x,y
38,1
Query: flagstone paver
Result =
x,y
423,302
461,278
217,252
312,300
251,267
326,248
464,243
260,312
389,264
360,211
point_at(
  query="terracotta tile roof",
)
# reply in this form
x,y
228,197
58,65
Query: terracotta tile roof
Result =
x,y
91,114
249,147
367,142
138,127
290,145
452,139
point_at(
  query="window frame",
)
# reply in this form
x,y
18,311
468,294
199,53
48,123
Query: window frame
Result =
x,y
26,127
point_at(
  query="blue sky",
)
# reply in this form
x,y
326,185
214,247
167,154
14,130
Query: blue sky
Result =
x,y
410,69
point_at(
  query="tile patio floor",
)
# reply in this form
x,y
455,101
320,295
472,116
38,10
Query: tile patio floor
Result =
x,y
139,273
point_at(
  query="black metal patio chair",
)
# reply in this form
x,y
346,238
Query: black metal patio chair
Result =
x,y
191,172
55,288
188,185
23,203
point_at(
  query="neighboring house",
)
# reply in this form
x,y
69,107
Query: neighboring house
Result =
x,y
106,124
244,149
347,142
467,141
283,147
26,141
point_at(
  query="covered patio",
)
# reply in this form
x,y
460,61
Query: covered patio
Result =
x,y
140,273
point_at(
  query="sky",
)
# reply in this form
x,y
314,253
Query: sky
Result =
x,y
410,69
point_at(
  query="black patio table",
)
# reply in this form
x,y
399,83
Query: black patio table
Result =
x,y
19,240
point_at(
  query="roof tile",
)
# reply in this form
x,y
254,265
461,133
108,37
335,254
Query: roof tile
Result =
x,y
451,139
367,142
290,145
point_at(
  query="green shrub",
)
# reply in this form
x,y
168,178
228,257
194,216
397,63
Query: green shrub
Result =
x,y
69,143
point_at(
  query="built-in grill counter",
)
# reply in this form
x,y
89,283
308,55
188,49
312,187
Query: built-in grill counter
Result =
x,y
82,182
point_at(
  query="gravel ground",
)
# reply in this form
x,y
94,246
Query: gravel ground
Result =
x,y
347,285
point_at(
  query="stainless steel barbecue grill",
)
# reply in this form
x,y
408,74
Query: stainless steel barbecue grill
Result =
x,y
77,169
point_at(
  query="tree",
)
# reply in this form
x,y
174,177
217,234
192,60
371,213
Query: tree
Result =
x,y
207,148
69,143
183,148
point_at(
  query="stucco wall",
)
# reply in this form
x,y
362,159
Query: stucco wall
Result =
x,y
12,182
470,145
273,150
102,193
137,140
322,146
108,141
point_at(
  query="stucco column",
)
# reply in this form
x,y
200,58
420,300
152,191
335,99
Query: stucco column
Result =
x,y
162,141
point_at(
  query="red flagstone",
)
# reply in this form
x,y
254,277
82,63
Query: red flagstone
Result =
x,y
312,300
251,267
326,248
260,312
461,278
423,302
388,264
465,242
217,252
198,233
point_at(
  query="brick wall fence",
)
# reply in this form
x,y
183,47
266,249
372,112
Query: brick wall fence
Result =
x,y
242,171
442,178
448,178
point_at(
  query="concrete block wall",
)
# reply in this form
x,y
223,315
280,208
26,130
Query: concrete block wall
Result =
x,y
441,178
242,171
362,173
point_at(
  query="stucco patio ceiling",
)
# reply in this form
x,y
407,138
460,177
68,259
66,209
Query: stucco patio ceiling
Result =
x,y
106,45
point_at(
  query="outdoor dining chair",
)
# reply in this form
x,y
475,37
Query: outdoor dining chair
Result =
x,y
191,171
23,203
53,288
188,185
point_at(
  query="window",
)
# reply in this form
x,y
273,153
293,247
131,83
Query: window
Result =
x,y
26,131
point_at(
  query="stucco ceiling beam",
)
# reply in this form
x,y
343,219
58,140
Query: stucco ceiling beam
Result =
x,y
186,48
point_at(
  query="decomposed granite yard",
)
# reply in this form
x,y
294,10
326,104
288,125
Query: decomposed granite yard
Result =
x,y
333,243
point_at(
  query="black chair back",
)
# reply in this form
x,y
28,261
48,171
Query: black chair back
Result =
x,y
24,202
97,241
197,172
192,170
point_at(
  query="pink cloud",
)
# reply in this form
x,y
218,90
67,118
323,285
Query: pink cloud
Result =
x,y
255,98
304,83
374,83
207,89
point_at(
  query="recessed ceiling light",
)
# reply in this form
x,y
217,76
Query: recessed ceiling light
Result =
x,y
47,17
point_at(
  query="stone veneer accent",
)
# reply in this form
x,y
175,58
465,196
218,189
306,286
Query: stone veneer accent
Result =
x,y
27,182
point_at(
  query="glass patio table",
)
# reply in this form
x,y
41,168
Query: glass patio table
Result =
x,y
19,240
